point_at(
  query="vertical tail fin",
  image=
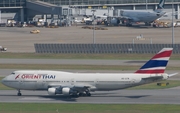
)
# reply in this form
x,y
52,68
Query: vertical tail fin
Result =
x,y
158,63
161,4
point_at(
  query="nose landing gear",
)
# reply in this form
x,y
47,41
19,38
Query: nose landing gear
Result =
x,y
19,93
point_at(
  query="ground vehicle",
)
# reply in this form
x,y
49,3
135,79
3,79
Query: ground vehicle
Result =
x,y
3,48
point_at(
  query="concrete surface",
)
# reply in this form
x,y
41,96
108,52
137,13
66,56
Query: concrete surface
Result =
x,y
20,40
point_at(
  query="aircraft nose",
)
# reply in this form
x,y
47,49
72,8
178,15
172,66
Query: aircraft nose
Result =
x,y
3,80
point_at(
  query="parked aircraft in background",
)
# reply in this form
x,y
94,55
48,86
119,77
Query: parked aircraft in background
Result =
x,y
146,16
78,84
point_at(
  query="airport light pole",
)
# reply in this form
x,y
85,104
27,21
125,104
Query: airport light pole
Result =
x,y
172,23
0,16
93,11
94,46
69,17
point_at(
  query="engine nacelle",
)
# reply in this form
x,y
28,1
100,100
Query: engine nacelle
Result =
x,y
66,91
52,91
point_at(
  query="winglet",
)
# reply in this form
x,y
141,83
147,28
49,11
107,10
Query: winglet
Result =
x,y
156,64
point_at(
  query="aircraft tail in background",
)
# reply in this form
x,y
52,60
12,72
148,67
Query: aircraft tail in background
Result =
x,y
161,4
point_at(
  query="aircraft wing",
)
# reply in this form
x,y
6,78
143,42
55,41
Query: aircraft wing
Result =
x,y
125,17
81,88
75,87
132,19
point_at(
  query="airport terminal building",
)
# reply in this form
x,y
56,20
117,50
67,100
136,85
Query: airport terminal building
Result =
x,y
24,10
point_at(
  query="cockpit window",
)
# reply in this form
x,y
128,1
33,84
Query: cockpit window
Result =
x,y
12,73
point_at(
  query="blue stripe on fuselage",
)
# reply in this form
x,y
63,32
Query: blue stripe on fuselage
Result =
x,y
155,63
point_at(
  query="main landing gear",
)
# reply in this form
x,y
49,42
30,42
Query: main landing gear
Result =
x,y
19,93
81,94
147,24
88,93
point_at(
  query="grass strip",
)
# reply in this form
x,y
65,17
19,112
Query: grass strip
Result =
x,y
86,108
79,67
81,56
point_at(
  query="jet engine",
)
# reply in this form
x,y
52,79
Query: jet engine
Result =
x,y
113,21
54,91
66,91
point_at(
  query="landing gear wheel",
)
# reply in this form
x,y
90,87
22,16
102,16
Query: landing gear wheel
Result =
x,y
75,95
81,94
129,24
89,94
19,93
147,24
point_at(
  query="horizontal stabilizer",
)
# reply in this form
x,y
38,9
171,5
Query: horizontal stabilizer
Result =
x,y
170,75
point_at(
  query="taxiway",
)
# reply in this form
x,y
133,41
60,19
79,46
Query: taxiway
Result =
x,y
163,96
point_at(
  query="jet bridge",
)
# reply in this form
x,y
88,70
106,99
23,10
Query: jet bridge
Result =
x,y
47,11
43,7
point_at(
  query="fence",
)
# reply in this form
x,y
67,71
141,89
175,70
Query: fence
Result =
x,y
104,48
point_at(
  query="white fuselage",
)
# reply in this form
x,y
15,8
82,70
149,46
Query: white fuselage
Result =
x,y
42,80
142,16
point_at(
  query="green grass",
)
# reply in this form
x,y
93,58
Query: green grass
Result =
x,y
78,67
81,56
86,108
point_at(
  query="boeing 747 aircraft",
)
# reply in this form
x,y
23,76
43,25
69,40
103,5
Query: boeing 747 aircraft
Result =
x,y
78,84
145,16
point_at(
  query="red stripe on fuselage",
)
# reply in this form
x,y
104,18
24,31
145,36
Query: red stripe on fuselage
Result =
x,y
150,71
163,54
17,76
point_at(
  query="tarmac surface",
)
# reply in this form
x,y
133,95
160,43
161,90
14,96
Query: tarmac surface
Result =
x,y
81,62
69,61
163,96
20,40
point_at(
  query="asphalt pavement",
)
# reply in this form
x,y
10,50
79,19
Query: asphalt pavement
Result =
x,y
163,96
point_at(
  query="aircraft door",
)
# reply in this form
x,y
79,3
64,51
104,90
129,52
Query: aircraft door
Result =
x,y
97,83
133,81
73,81
20,81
